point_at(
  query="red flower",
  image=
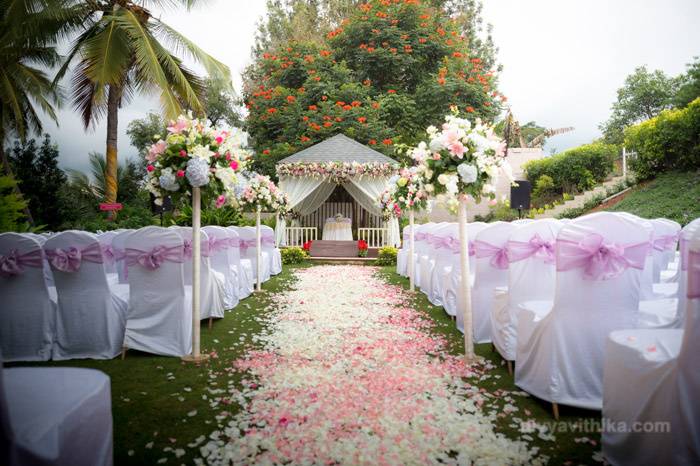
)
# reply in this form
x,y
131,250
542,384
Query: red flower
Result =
x,y
313,108
347,107
470,109
150,168
362,119
307,246
271,110
391,91
356,103
328,124
372,142
180,173
266,152
305,139
291,99
387,142
362,245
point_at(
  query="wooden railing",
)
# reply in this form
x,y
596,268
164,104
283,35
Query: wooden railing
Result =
x,y
297,236
375,237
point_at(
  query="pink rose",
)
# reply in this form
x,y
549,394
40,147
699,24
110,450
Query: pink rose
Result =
x,y
180,173
219,140
183,153
220,201
234,164
150,168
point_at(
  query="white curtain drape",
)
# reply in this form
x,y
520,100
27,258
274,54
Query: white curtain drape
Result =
x,y
366,192
305,196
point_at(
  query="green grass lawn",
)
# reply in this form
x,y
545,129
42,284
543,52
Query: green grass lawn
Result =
x,y
160,405
673,195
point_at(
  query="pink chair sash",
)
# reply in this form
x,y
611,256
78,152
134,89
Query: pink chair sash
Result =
x,y
267,241
218,245
154,258
420,237
187,248
234,243
245,244
108,254
499,256
665,242
600,260
694,274
14,263
70,259
447,242
541,249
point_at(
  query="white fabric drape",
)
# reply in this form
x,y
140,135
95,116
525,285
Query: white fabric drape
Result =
x,y
305,195
366,192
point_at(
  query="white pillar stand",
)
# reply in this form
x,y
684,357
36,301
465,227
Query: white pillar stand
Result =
x,y
411,251
258,252
465,285
196,356
624,162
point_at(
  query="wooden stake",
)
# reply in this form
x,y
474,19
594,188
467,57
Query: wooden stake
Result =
x,y
555,411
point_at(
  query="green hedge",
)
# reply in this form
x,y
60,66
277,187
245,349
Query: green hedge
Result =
x,y
670,141
293,255
387,256
574,170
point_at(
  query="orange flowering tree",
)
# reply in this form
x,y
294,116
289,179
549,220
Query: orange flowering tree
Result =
x,y
390,69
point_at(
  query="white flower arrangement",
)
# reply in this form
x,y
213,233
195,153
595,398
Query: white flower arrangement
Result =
x,y
190,154
461,159
261,192
406,191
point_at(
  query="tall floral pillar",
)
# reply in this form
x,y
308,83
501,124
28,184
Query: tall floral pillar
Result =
x,y
200,163
461,161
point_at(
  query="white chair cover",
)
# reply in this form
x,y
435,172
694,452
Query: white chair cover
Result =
x,y
560,353
91,313
268,245
662,367
118,246
27,313
160,305
450,281
247,236
106,241
219,245
212,284
446,248
48,275
665,244
491,272
421,247
402,256
52,416
531,277
244,268
427,258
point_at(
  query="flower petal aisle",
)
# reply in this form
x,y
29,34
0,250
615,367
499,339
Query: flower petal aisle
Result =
x,y
349,373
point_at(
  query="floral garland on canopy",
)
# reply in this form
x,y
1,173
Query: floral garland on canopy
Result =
x,y
461,159
259,191
194,154
406,191
336,172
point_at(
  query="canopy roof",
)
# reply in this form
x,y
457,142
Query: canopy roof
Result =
x,y
338,148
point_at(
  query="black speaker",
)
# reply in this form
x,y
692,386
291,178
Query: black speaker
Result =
x,y
520,195
159,209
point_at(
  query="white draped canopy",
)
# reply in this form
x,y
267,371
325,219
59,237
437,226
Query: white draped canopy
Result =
x,y
308,193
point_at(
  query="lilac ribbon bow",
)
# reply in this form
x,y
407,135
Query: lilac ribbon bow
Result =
x,y
665,242
218,245
499,256
70,259
234,243
541,249
420,237
14,263
108,254
693,275
600,260
154,258
245,244
447,242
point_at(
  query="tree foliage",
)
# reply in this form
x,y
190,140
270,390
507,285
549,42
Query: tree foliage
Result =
x,y
36,168
11,205
689,89
644,95
381,75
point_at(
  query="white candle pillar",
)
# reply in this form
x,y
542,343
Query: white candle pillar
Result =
x,y
196,356
411,252
465,292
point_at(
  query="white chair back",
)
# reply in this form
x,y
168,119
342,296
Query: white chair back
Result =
x,y
27,314
118,246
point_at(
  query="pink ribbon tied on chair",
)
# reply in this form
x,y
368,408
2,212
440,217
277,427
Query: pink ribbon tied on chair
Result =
x,y
267,241
14,263
600,260
245,244
499,256
70,259
665,242
108,254
538,247
154,258
187,248
693,275
217,245
447,242
420,236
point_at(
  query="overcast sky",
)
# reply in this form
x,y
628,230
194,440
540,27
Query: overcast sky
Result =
x,y
562,60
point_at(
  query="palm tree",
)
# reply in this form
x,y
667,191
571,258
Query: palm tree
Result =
x,y
94,183
121,51
28,34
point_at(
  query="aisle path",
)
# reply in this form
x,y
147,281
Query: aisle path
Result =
x,y
349,373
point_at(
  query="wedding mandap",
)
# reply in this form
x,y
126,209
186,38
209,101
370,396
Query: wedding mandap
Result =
x,y
333,187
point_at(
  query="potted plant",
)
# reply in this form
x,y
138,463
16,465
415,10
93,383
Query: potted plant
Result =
x,y
362,248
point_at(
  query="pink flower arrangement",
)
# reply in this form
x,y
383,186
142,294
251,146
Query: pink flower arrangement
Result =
x,y
336,172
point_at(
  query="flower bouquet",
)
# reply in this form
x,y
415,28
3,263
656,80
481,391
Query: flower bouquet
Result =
x,y
260,192
336,172
194,154
362,248
461,159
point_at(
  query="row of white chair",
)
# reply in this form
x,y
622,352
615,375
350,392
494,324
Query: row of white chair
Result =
x,y
79,295
548,293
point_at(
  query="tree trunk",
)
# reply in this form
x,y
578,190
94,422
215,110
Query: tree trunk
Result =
x,y
8,170
113,101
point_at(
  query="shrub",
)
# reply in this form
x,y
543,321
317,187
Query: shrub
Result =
x,y
293,255
11,206
387,256
670,141
501,211
574,170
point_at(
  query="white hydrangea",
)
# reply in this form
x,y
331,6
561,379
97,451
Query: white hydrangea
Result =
x,y
197,172
168,180
468,172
